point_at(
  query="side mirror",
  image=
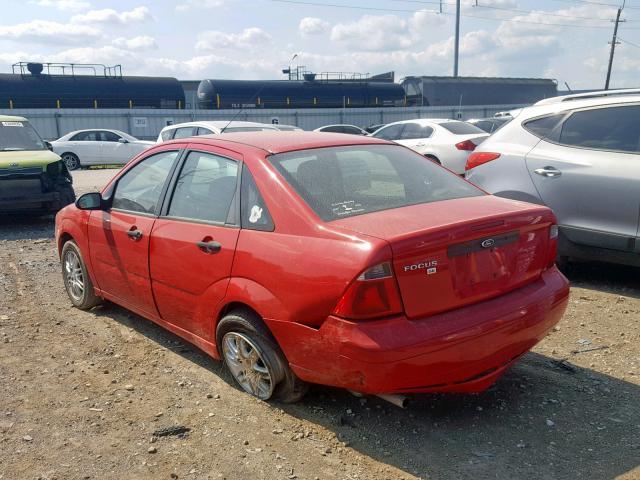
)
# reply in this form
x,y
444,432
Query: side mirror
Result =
x,y
48,145
90,201
123,140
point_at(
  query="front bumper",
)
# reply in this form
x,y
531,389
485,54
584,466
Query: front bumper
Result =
x,y
464,350
36,201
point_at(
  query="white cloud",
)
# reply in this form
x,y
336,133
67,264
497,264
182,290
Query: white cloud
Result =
x,y
109,15
44,31
386,32
213,41
201,4
140,43
313,26
65,5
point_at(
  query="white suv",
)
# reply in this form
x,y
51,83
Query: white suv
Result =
x,y
579,155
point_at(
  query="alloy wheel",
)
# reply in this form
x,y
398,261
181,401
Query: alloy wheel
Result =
x,y
71,161
247,365
74,276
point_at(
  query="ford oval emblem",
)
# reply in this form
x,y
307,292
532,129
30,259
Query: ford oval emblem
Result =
x,y
488,243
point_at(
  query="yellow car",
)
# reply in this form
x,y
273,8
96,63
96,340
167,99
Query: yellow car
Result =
x,y
33,179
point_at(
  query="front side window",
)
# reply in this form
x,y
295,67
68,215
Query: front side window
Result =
x,y
612,128
415,130
204,131
139,189
18,135
392,132
110,137
205,188
338,182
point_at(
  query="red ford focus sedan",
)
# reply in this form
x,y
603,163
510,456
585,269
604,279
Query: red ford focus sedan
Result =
x,y
324,258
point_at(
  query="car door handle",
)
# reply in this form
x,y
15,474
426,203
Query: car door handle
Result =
x,y
134,234
548,172
209,246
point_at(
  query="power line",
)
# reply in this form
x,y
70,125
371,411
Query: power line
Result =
x,y
587,2
627,42
494,19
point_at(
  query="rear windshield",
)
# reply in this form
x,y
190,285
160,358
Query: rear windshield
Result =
x,y
461,128
338,182
17,135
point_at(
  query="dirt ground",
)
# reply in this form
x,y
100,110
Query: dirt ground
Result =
x,y
82,394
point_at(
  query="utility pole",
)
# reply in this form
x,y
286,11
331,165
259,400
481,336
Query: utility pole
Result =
x,y
457,46
614,42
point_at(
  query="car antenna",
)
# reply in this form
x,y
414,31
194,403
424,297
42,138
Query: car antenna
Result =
x,y
241,109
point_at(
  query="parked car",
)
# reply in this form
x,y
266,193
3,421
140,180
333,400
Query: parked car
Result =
x,y
350,129
83,148
490,124
215,127
373,128
580,155
325,258
33,179
447,142
287,128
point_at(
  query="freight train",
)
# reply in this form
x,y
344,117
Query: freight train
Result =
x,y
33,85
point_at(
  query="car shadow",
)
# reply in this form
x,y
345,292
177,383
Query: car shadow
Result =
x,y
543,420
604,277
26,227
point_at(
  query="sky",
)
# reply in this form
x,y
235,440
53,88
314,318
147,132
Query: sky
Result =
x,y
567,40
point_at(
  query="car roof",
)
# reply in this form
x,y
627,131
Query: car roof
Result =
x,y
218,124
280,142
424,120
544,108
11,118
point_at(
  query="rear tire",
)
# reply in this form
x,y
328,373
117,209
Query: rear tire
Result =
x,y
254,359
71,160
76,279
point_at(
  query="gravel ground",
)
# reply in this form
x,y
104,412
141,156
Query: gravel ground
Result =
x,y
84,392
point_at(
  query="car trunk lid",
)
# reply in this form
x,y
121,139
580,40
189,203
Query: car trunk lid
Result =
x,y
457,252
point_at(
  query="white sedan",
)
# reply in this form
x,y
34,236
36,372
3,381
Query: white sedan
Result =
x,y
448,142
98,147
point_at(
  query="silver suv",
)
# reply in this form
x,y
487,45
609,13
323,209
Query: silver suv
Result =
x,y
579,155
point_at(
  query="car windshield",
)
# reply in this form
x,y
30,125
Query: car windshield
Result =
x,y
19,135
338,182
461,128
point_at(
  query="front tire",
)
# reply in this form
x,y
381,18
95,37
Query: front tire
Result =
x,y
254,359
71,160
76,279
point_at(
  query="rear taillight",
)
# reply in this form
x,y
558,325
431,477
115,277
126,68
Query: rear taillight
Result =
x,y
478,158
552,251
373,294
467,145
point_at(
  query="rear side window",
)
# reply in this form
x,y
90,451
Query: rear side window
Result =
x,y
204,131
205,188
254,212
185,132
392,132
351,130
167,134
415,130
461,128
542,127
93,136
139,189
340,182
612,128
